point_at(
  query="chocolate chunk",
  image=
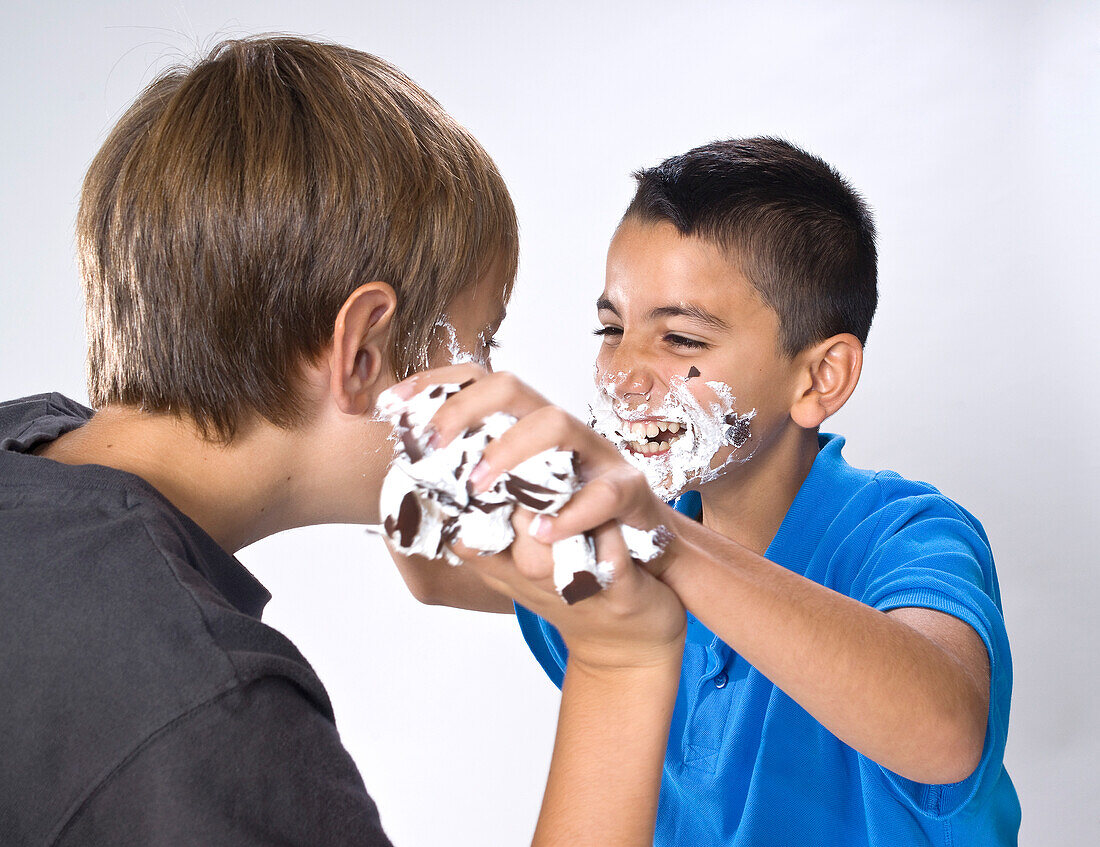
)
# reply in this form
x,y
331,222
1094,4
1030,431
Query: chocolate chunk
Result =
x,y
583,586
486,507
693,372
662,537
738,432
436,392
523,491
408,519
412,449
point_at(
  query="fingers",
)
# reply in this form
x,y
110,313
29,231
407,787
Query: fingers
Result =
x,y
496,392
523,572
619,492
437,376
545,428
611,549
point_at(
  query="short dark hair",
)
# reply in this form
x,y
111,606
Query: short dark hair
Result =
x,y
794,226
239,202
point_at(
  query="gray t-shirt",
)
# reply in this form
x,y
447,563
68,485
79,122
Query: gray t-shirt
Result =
x,y
142,701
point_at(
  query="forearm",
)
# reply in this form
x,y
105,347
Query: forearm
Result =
x,y
608,755
882,687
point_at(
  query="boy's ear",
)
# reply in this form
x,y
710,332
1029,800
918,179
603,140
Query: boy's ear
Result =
x,y
360,339
832,370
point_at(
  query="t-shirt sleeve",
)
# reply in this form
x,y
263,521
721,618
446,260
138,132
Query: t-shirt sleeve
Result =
x,y
258,765
930,553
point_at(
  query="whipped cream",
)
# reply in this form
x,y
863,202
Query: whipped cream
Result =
x,y
427,504
698,432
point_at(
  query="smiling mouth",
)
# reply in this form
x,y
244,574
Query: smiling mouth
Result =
x,y
652,437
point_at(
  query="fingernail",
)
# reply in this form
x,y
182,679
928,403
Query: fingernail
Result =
x,y
478,475
539,527
405,390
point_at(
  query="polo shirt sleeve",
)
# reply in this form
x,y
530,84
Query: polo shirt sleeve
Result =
x,y
545,643
930,553
258,765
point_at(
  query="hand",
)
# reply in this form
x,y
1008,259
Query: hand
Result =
x,y
613,490
637,621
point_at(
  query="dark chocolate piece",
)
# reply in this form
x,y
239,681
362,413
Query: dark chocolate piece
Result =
x,y
583,586
486,507
408,519
412,449
693,372
435,392
662,537
523,491
738,432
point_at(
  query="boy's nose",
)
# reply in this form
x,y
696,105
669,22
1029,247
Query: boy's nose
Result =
x,y
634,385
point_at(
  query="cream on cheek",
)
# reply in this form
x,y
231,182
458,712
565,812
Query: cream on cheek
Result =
x,y
457,352
687,440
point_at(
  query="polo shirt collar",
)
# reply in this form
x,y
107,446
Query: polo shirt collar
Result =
x,y
830,483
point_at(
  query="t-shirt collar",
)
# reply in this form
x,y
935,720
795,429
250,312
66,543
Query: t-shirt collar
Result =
x,y
46,417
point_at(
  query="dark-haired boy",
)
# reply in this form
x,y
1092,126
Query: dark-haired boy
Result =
x,y
847,674
268,240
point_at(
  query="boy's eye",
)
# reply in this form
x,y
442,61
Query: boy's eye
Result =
x,y
681,341
608,332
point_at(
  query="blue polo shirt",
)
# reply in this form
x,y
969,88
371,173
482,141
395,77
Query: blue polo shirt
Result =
x,y
746,765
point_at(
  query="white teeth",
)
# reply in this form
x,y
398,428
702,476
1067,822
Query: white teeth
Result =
x,y
673,428
652,429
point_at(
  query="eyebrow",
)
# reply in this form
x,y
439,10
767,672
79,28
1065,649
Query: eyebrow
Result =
x,y
695,313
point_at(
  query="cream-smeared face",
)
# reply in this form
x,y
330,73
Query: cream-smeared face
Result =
x,y
690,380
465,334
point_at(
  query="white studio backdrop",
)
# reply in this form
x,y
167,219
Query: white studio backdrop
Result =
x,y
973,130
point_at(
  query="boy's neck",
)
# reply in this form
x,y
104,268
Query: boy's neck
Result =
x,y
269,479
750,503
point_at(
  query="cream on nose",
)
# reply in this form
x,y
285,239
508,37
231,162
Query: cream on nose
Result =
x,y
624,385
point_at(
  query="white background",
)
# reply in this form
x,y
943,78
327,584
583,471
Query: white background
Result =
x,y
972,128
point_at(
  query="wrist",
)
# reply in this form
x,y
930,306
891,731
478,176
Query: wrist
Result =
x,y
669,565
623,678
624,661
